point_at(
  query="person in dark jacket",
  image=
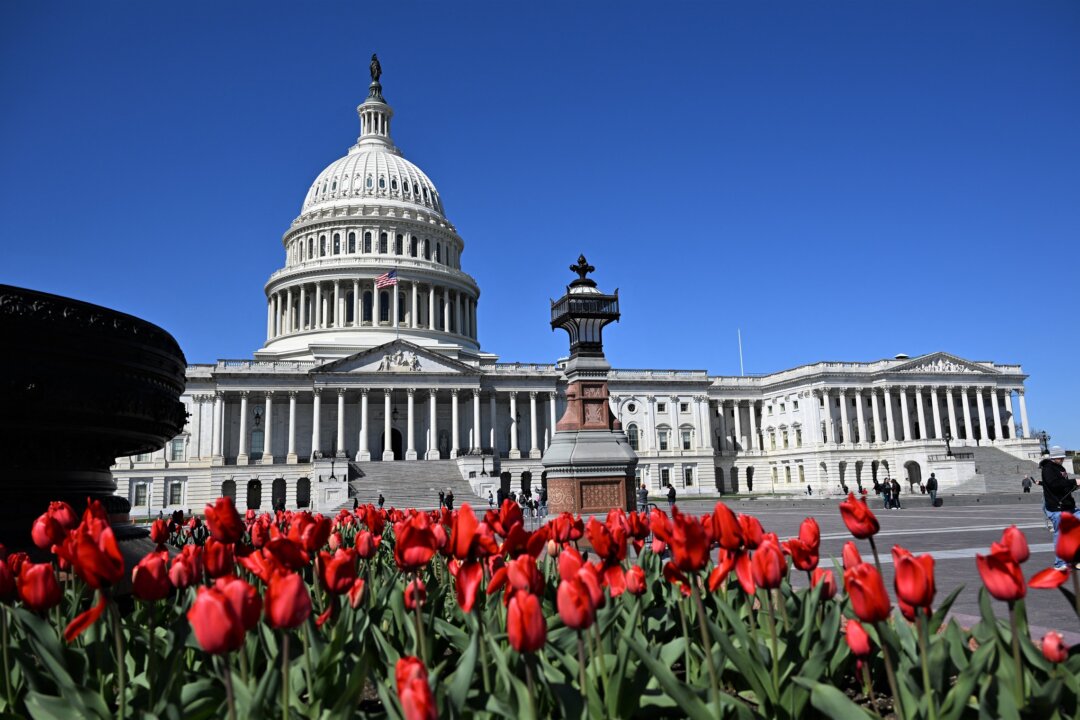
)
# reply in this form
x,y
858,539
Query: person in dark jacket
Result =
x,y
931,489
670,496
896,494
1057,493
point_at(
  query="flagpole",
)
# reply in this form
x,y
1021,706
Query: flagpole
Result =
x,y
741,371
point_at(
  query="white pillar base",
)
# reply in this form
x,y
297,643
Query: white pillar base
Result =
x,y
241,459
432,455
388,456
453,454
363,456
410,454
267,460
340,454
515,454
291,459
535,453
217,460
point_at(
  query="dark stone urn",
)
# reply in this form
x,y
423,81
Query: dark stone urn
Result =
x,y
80,385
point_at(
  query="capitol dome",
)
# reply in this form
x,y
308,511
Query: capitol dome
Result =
x,y
371,258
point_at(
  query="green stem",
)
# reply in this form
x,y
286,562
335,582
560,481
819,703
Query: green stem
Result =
x,y
778,599
600,653
285,676
307,662
877,560
483,653
230,697
686,634
775,652
923,630
889,673
529,680
150,651
1016,657
7,661
121,667
706,643
581,669
869,687
420,649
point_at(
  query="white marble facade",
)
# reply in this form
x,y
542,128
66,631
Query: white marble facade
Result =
x,y
348,364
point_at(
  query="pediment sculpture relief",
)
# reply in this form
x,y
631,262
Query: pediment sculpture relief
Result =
x,y
941,365
400,361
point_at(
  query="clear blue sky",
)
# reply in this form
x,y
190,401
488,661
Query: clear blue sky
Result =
x,y
840,180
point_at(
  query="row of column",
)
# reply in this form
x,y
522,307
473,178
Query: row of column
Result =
x,y
217,431
326,305
649,439
968,397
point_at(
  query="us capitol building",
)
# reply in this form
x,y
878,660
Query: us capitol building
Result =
x,y
383,386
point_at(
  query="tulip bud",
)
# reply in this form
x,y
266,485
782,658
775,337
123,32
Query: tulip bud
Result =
x,y
1053,647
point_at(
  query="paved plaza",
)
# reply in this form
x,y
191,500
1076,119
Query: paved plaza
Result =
x,y
953,534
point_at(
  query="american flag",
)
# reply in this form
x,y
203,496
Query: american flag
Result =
x,y
386,279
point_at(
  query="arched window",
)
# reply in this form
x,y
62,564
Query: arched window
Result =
x,y
426,195
412,246
337,243
350,308
438,252
384,307
427,250
322,245
367,242
352,242
399,245
254,494
334,187
393,184
310,248
366,311
382,182
303,492
382,243
368,183
228,489
632,435
277,494
442,314
415,189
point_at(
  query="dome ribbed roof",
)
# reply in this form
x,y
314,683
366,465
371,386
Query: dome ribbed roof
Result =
x,y
373,171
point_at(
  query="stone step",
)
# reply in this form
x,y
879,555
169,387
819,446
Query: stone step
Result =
x,y
411,483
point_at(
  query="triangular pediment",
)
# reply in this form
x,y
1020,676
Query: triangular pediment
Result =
x,y
941,363
399,357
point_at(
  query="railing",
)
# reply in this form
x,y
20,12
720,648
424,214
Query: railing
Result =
x,y
954,456
524,369
658,375
265,365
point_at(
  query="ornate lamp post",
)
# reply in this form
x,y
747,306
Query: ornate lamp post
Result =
x,y
948,439
1044,438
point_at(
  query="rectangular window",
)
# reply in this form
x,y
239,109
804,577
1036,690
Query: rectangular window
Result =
x,y
176,450
176,494
794,404
661,407
663,439
686,439
769,409
382,243
798,437
142,457
772,441
684,407
665,477
785,439
802,475
782,407
140,495
787,473
688,477
774,475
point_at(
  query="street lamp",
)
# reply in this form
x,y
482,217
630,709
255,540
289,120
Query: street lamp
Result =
x,y
332,469
1044,438
948,439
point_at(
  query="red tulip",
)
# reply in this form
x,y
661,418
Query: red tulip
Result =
x,y
366,544
768,565
63,513
1048,579
1053,647
159,531
866,589
575,605
857,638
1001,574
726,530
219,558
287,602
311,532
525,625
608,541
810,534
752,531
851,555
725,563
187,567
827,580
356,593
415,542
1013,538
7,582
215,622
688,541
92,551
1068,543
415,594
243,598
15,561
260,534
859,519
223,521
287,552
47,532
38,588
414,692
803,557
914,578
744,573
467,584
150,578
635,580
337,571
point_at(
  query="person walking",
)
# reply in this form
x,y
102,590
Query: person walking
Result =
x,y
1026,483
543,502
442,499
1057,488
381,500
896,494
642,498
931,489
449,500
884,489
670,496
491,500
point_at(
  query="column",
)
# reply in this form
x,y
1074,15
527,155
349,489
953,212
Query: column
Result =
x,y
860,417
983,434
216,423
551,418
476,334
476,436
433,444
269,318
288,311
830,430
303,307
410,448
514,452
388,445
920,412
277,316
242,456
754,444
935,406
889,416
196,426
722,425
534,448
414,308
375,306
995,408
650,422
363,453
268,419
356,303
431,307
1010,429
291,458
457,313
446,310
493,422
705,440
878,435
905,414
316,439
318,306
395,306
1023,415
954,429
340,449
740,444
455,427
845,426
966,401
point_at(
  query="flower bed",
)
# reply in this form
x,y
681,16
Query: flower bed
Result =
x,y
417,615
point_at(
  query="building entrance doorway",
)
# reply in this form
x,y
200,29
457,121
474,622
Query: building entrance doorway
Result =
x,y
395,444
914,474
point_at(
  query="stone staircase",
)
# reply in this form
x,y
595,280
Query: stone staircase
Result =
x,y
996,472
413,483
